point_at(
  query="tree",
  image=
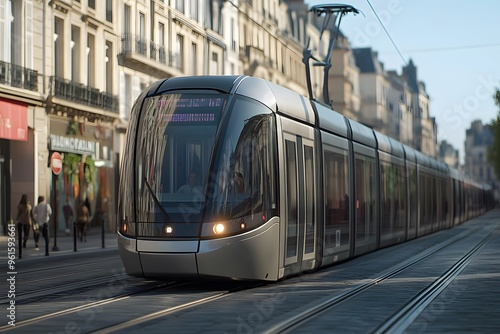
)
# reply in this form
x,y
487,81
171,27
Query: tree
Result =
x,y
494,149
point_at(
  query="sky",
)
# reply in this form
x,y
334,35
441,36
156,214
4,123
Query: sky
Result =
x,y
455,46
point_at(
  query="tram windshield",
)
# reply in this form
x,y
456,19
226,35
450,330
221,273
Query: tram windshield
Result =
x,y
174,144
196,159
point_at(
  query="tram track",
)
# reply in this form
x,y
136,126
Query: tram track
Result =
x,y
96,304
67,288
129,298
400,321
412,308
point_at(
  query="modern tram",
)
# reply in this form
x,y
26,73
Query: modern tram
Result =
x,y
235,177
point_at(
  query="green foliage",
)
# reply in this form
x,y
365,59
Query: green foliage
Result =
x,y
71,161
89,170
72,128
494,149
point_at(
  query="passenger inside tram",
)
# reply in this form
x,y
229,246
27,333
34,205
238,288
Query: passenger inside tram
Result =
x,y
192,186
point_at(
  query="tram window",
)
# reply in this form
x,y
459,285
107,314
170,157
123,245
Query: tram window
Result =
x,y
365,200
291,168
310,198
412,185
337,201
392,200
242,180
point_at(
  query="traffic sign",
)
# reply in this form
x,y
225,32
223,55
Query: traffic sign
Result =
x,y
56,163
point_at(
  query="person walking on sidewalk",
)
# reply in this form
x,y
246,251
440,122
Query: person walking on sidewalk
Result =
x,y
41,214
23,222
82,219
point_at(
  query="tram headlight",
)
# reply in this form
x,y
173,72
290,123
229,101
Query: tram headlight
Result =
x,y
168,229
218,228
127,229
221,228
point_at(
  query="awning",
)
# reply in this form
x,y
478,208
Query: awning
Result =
x,y
13,121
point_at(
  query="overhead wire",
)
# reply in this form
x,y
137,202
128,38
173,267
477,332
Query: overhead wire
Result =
x,y
388,35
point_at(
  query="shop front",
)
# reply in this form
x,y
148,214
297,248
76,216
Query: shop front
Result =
x,y
84,172
16,158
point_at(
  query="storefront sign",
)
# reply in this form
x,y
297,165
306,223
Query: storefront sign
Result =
x,y
13,121
72,145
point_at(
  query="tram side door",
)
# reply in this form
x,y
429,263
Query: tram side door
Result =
x,y
299,197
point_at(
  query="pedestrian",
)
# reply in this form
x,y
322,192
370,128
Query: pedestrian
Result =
x,y
82,219
41,215
68,217
23,222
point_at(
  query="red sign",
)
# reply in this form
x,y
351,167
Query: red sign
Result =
x,y
56,163
13,121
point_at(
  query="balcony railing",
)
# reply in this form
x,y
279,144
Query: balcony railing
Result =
x,y
158,53
18,76
79,93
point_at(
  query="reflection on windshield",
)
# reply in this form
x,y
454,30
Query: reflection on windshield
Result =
x,y
244,180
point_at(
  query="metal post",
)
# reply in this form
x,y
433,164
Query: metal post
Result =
x,y
54,184
45,232
74,236
102,232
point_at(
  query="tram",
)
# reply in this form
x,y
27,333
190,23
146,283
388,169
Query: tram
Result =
x,y
235,177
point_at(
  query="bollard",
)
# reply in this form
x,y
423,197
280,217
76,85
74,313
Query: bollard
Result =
x,y
45,232
74,237
102,232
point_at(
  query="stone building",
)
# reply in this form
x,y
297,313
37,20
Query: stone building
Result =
x,y
448,154
477,140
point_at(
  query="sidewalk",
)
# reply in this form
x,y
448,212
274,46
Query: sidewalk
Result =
x,y
65,244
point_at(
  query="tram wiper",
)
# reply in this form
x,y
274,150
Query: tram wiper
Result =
x,y
157,202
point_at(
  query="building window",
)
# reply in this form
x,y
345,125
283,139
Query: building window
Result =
x,y
194,57
29,35
109,66
214,64
58,48
92,4
90,60
194,10
179,5
142,26
141,41
126,20
75,53
215,15
233,41
180,49
162,57
109,10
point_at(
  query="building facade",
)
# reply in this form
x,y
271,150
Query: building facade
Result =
x,y
449,155
22,113
477,140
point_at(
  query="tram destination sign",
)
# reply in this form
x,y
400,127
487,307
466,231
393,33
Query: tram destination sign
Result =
x,y
72,145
